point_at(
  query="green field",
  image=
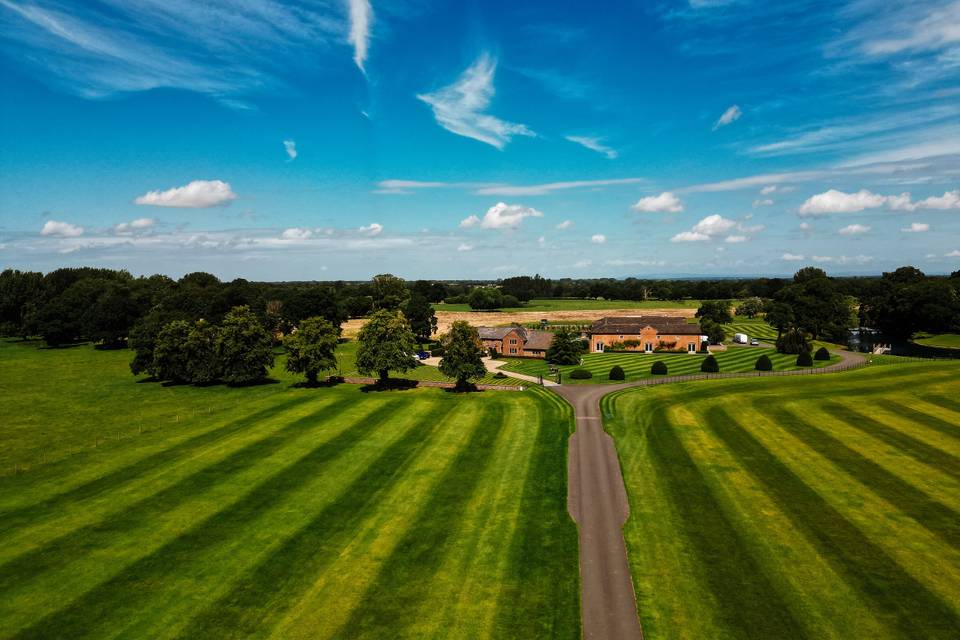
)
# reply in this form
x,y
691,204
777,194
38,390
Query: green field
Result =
x,y
637,365
576,304
755,328
943,340
347,357
134,509
820,507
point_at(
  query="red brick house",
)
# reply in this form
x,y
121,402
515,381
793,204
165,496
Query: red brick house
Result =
x,y
516,341
646,333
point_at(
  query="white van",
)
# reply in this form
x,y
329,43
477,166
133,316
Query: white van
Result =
x,y
740,338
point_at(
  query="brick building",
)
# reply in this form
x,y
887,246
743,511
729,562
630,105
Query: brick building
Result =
x,y
646,333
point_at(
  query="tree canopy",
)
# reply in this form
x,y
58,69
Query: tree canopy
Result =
x,y
245,347
420,314
389,292
463,354
311,348
386,344
566,348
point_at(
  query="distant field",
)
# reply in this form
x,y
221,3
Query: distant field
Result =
x,y
637,365
943,340
347,354
567,304
819,507
276,510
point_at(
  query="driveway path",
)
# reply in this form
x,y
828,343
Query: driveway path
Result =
x,y
597,501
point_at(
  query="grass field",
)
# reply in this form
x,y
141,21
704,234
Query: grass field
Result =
x,y
755,328
943,340
277,510
637,365
572,304
347,355
820,507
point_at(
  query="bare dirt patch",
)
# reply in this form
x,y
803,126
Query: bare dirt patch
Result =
x,y
494,318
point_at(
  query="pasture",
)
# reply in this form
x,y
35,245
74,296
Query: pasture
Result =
x,y
582,304
636,365
136,509
817,507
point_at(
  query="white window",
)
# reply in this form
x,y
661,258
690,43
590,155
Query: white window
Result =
x,y
600,347
691,347
648,347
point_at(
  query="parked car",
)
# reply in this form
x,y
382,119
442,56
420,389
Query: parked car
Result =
x,y
755,342
422,355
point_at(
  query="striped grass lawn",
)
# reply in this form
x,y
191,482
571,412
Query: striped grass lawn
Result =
x,y
820,507
753,327
578,304
637,365
277,511
943,340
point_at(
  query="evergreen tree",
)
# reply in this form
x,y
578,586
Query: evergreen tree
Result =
x,y
566,348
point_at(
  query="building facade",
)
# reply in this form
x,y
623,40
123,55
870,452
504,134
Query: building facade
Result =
x,y
516,342
645,333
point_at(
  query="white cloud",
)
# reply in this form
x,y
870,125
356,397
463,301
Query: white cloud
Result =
x,y
732,113
296,233
459,107
953,254
134,226
949,200
371,230
705,230
690,236
806,226
465,247
792,257
665,202
766,202
598,238
931,30
550,187
594,144
767,190
916,227
566,224
834,201
736,239
502,216
860,259
582,264
61,229
542,241
854,230
361,14
290,146
198,194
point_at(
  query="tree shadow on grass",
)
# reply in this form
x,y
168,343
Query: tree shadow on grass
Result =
x,y
332,381
60,347
391,384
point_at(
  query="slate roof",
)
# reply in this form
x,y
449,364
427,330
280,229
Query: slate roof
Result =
x,y
622,325
499,333
538,340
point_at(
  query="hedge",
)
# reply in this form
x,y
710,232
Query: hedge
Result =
x,y
581,374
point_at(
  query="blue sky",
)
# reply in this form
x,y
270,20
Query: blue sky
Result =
x,y
329,140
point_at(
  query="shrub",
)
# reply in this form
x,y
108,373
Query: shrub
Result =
x,y
631,344
437,352
616,373
705,347
499,375
659,368
793,341
710,364
822,354
804,359
764,363
581,374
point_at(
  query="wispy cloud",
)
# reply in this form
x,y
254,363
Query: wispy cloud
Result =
x,y
594,144
566,224
550,187
792,257
732,114
61,229
371,230
140,225
598,238
854,230
361,15
666,202
226,50
916,227
290,146
461,107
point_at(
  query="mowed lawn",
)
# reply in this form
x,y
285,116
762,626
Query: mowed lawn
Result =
x,y
637,365
347,358
579,304
753,327
820,507
943,340
277,511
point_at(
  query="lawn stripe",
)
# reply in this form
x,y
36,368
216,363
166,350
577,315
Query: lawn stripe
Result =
x,y
534,601
920,451
258,598
754,609
118,478
125,594
931,514
943,402
388,606
919,417
125,521
898,597
330,598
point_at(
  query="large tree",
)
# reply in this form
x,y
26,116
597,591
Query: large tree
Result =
x,y
716,310
485,298
907,301
420,314
312,348
463,355
245,347
818,305
201,353
566,348
386,344
169,356
389,292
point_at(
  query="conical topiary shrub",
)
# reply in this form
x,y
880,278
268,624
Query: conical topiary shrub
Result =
x,y
616,373
804,359
764,363
710,364
659,368
821,354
